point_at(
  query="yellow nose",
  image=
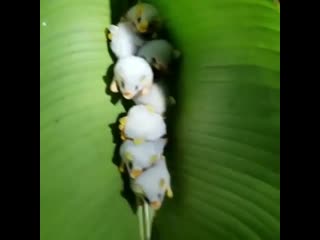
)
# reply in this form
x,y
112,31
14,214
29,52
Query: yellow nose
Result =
x,y
155,205
127,95
161,67
143,27
135,173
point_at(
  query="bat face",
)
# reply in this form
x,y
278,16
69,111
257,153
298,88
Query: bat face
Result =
x,y
132,75
130,86
144,16
139,157
155,184
158,53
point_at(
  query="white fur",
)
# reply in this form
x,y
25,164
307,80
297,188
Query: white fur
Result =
x,y
131,71
142,154
149,14
125,42
159,49
148,183
143,124
156,98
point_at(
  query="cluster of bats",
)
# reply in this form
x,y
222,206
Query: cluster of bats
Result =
x,y
140,54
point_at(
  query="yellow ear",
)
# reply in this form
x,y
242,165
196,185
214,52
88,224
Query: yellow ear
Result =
x,y
163,67
176,53
138,141
136,188
153,159
171,100
113,86
145,90
150,108
143,79
169,192
139,10
121,167
128,156
162,183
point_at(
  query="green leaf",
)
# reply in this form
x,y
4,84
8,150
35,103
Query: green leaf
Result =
x,y
223,150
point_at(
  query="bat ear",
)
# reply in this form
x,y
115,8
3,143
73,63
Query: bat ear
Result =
x,y
171,100
162,183
128,156
176,54
136,188
139,9
169,192
143,79
163,67
145,90
163,142
113,86
153,159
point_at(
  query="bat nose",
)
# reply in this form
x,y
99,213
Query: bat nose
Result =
x,y
161,67
127,95
155,205
142,27
135,173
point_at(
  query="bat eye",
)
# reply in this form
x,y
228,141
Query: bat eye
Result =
x,y
153,60
122,84
130,165
139,19
136,87
159,196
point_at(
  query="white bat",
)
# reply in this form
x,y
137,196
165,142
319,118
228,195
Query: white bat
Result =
x,y
139,157
124,41
142,124
132,76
